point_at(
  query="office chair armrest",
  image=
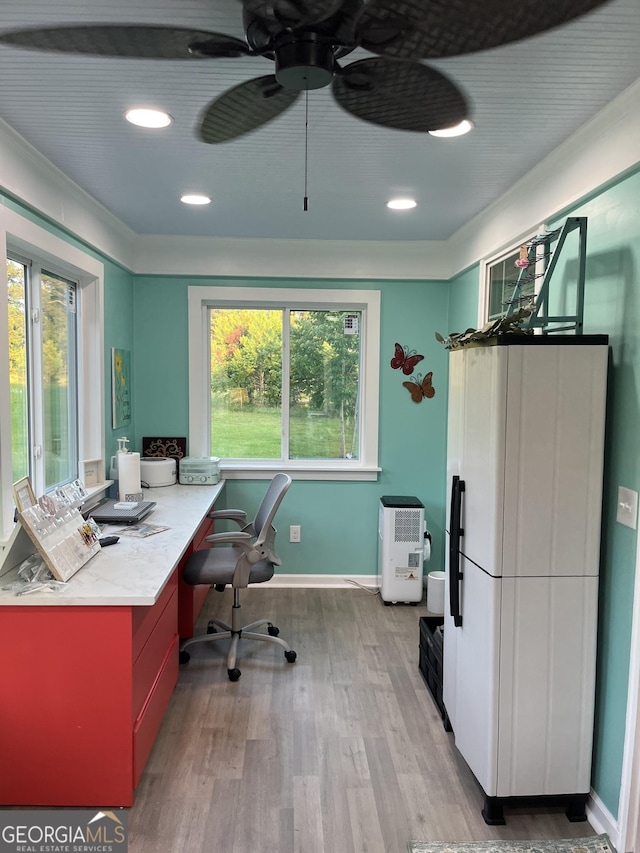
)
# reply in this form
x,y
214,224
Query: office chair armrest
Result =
x,y
237,515
231,537
269,546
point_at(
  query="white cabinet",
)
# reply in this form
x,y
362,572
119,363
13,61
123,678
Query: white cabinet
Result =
x,y
525,444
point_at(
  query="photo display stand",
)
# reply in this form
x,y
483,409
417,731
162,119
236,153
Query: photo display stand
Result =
x,y
63,538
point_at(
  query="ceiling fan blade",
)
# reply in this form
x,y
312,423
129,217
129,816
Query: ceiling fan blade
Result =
x,y
293,13
429,29
404,95
135,41
245,108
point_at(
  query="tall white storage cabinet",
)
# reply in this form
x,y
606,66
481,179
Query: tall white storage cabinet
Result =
x,y
524,470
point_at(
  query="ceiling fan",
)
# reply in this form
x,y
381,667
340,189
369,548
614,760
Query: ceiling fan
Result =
x,y
307,39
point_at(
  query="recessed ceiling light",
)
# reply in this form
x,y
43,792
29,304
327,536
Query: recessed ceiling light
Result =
x,y
195,198
457,129
401,203
145,117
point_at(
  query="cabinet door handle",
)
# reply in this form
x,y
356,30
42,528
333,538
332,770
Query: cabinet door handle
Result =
x,y
455,535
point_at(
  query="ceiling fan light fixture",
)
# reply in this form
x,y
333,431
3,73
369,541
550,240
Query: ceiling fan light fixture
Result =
x,y
148,117
195,198
304,63
456,130
401,203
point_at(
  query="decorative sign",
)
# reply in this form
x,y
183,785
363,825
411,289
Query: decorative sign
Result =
x,y
169,448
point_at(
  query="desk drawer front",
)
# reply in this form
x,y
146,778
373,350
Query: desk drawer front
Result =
x,y
149,662
145,618
148,723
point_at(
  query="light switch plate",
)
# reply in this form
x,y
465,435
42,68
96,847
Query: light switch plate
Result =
x,y
627,507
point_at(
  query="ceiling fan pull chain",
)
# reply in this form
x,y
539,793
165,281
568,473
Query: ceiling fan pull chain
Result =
x,y
305,205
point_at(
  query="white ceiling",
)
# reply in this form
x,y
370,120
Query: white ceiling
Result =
x,y
526,99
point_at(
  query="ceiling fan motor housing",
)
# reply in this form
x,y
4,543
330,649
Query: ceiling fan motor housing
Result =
x,y
304,61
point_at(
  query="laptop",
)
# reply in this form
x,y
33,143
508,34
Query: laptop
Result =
x,y
108,512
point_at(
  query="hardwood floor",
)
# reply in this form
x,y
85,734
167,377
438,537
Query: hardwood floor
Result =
x,y
341,752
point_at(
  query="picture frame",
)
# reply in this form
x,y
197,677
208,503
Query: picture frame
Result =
x,y
23,494
120,387
92,472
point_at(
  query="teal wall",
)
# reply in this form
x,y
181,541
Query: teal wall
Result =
x,y
463,300
338,519
118,333
612,307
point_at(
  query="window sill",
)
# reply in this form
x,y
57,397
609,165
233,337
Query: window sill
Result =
x,y
260,471
95,494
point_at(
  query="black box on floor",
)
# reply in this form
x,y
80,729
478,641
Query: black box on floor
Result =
x,y
431,650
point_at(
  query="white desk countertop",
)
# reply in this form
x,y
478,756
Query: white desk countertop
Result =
x,y
133,571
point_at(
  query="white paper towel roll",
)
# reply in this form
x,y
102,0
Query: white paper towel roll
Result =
x,y
129,488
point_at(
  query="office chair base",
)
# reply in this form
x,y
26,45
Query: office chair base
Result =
x,y
236,632
213,635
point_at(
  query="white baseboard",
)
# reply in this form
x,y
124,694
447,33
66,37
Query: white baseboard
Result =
x,y
325,581
602,820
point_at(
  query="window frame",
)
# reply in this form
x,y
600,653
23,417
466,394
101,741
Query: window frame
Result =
x,y
22,237
487,264
202,298
34,270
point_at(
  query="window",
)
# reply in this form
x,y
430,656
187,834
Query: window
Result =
x,y
42,374
503,275
51,361
499,277
285,379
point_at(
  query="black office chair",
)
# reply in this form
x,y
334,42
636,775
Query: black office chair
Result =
x,y
239,558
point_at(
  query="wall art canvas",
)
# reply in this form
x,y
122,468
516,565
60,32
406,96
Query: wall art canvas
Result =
x,y
121,387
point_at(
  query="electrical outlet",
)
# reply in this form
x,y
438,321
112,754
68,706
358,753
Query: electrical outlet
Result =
x,y
294,533
627,507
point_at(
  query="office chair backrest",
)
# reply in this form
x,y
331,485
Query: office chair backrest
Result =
x,y
269,506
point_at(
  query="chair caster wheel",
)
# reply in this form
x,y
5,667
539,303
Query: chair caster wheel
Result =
x,y
211,628
290,656
272,630
234,674
184,657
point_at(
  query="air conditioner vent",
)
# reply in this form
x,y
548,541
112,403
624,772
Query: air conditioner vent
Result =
x,y
407,524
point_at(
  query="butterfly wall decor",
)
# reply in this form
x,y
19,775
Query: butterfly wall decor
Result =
x,y
421,388
405,359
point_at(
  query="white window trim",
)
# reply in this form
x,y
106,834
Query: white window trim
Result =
x,y
202,298
491,260
20,235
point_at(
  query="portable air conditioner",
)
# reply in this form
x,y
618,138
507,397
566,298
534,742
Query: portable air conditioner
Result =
x,y
401,533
